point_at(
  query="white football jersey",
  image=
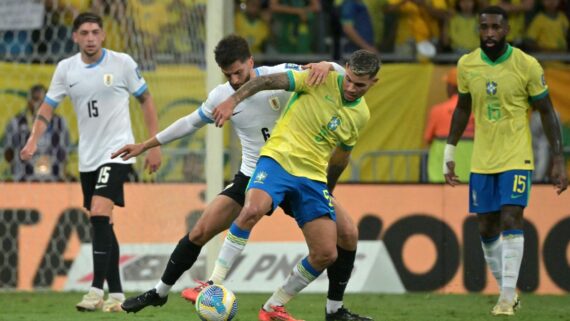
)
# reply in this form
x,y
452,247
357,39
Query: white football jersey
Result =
x,y
100,95
254,118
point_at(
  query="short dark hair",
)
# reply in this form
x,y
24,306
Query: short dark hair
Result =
x,y
35,88
86,17
363,62
230,49
495,10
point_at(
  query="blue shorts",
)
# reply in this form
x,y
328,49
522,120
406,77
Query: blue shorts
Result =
x,y
308,199
488,192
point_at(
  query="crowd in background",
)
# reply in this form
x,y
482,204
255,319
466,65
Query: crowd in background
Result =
x,y
155,29
158,31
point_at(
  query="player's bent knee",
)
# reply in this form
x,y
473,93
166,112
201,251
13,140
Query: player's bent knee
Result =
x,y
322,259
250,215
347,237
200,235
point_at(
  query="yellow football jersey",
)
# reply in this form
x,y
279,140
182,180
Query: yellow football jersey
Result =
x,y
500,93
316,119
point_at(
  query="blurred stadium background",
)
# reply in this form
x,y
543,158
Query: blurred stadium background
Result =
x,y
415,233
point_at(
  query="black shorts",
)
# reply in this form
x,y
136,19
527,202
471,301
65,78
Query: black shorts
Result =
x,y
237,188
107,181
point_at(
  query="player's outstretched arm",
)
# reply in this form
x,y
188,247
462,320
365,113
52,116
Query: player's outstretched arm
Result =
x,y
133,150
458,124
43,118
153,158
224,111
184,126
551,127
337,163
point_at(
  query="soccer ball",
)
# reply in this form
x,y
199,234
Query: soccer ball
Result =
x,y
216,303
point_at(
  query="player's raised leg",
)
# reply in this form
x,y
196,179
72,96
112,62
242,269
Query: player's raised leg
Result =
x,y
216,218
257,204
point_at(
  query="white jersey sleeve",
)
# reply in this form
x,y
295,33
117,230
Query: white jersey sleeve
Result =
x,y
338,68
184,126
57,88
215,97
135,81
267,70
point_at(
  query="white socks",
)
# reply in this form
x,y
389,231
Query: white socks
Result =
x,y
117,296
513,248
235,242
97,291
333,306
303,274
162,289
492,251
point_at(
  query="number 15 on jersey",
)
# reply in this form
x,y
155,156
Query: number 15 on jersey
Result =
x,y
92,109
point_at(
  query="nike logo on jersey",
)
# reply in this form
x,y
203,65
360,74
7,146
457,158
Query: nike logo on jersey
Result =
x,y
330,99
100,186
515,196
237,112
75,83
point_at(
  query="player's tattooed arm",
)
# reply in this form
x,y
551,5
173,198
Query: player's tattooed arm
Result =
x,y
224,111
257,84
460,119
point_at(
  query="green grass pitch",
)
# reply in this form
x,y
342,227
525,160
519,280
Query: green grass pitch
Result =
x,y
39,306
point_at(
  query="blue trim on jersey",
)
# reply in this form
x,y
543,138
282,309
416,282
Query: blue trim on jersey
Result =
x,y
237,231
291,80
140,91
256,71
305,263
539,96
292,66
98,61
345,147
51,102
204,117
512,232
488,240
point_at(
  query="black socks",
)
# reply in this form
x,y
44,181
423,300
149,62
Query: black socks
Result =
x,y
339,273
181,259
113,271
102,247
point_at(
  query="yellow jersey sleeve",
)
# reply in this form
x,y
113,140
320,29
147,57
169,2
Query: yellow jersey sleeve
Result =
x,y
298,80
536,86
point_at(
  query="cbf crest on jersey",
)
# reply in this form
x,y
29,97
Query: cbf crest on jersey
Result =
x,y
274,103
333,123
108,80
491,88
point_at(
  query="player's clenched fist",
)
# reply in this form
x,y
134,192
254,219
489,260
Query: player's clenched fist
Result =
x,y
28,151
